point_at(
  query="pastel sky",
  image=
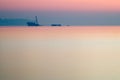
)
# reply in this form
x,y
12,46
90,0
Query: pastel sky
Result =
x,y
61,5
61,11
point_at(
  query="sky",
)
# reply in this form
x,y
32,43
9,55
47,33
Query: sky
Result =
x,y
73,12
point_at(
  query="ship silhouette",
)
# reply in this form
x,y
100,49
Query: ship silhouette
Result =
x,y
56,25
35,23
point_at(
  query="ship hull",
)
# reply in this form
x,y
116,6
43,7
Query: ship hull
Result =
x,y
32,24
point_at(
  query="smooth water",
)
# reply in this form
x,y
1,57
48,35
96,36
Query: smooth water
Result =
x,y
60,53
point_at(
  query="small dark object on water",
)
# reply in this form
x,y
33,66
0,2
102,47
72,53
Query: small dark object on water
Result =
x,y
56,25
33,23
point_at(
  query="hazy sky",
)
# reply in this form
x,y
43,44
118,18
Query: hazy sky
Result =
x,y
73,12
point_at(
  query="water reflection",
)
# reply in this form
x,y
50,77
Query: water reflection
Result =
x,y
71,53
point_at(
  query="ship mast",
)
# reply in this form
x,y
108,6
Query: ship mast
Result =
x,y
36,20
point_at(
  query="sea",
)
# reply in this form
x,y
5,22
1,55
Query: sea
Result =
x,y
60,53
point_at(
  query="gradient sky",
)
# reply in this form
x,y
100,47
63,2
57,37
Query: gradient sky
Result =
x,y
64,11
61,5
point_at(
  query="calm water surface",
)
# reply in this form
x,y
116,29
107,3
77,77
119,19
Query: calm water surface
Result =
x,y
60,53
